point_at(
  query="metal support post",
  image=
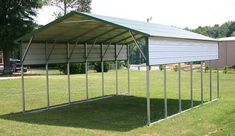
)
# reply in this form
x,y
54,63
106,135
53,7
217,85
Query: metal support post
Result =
x,y
116,77
23,56
128,68
148,95
116,69
179,79
86,67
47,76
22,88
217,81
210,78
68,73
202,91
191,83
47,87
102,69
165,93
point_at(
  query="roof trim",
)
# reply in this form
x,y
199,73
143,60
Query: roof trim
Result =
x,y
226,39
213,40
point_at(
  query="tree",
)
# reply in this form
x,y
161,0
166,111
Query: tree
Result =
x,y
16,19
231,29
217,31
233,34
68,5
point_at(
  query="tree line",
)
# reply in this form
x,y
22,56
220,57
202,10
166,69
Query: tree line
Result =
x,y
217,31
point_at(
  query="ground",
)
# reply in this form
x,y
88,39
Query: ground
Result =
x,y
119,115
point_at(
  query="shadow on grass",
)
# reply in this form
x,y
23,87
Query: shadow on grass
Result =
x,y
119,113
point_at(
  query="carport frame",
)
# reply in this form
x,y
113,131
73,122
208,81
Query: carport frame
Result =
x,y
145,56
47,57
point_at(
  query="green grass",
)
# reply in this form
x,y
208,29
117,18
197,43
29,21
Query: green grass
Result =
x,y
119,115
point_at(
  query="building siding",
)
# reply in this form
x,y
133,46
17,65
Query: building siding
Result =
x,y
37,53
226,55
170,50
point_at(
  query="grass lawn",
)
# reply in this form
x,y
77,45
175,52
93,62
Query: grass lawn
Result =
x,y
119,115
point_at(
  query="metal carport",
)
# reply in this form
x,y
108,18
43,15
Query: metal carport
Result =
x,y
82,38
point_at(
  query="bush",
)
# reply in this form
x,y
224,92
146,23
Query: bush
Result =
x,y
175,68
161,67
74,68
225,71
121,64
206,69
98,66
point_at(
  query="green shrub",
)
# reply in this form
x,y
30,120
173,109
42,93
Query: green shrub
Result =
x,y
225,70
121,64
78,68
97,66
175,68
206,69
161,67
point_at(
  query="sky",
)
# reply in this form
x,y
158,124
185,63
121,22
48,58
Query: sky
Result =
x,y
179,13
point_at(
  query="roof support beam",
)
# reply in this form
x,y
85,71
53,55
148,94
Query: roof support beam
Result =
x,y
26,50
49,55
119,51
85,33
114,36
136,43
70,55
125,38
137,39
106,50
90,49
102,34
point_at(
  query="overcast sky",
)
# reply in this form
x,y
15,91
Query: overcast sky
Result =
x,y
180,13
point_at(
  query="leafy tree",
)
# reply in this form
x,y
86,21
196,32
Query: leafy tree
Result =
x,y
231,29
217,31
68,5
233,34
16,19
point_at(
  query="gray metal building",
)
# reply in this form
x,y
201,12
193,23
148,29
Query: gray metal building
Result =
x,y
226,54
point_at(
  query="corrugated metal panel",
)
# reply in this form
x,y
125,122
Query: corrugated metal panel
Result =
x,y
169,50
37,53
121,52
152,29
108,52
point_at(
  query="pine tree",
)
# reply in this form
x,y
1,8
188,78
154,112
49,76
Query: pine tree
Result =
x,y
16,19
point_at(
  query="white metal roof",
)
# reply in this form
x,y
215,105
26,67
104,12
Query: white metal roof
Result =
x,y
87,26
152,29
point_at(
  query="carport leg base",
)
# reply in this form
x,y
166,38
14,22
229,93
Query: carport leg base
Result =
x,y
161,120
67,104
